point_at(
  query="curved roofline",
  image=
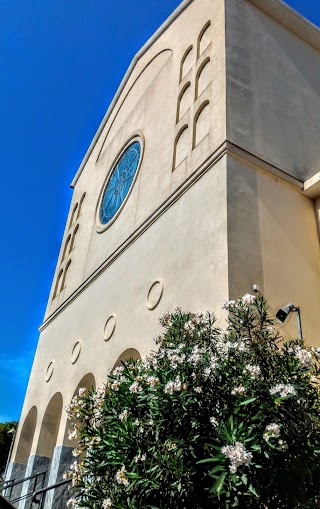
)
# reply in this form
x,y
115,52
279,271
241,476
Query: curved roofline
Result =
x,y
126,77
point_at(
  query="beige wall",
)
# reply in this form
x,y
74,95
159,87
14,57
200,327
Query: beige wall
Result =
x,y
148,104
186,247
273,90
210,226
273,242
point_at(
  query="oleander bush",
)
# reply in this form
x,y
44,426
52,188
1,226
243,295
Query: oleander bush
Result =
x,y
213,419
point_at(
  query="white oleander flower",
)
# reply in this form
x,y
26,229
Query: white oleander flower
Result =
x,y
117,371
272,431
254,371
237,454
214,421
304,356
228,304
121,477
248,299
238,390
124,415
283,390
107,503
135,387
72,502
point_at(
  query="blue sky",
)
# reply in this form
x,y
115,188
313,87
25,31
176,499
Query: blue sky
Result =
x,y
61,64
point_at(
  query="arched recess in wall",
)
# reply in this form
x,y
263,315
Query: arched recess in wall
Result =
x,y
180,150
64,279
186,63
204,39
65,250
88,382
184,101
73,238
26,437
50,427
57,285
201,124
73,215
148,75
202,78
130,353
80,204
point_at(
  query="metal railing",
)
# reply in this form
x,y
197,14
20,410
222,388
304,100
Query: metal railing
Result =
x,y
42,493
9,485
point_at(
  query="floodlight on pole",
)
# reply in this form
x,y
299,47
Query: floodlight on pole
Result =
x,y
285,311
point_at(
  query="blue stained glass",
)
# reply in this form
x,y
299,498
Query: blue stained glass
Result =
x,y
119,182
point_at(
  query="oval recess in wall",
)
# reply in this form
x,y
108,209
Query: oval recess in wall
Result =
x,y
110,326
76,350
155,293
50,370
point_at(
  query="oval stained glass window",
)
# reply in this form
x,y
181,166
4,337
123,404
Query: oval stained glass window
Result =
x,y
119,182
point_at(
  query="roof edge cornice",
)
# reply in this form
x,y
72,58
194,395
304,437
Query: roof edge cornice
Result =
x,y
125,79
291,19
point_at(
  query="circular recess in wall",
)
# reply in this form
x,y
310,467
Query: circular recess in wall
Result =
x,y
76,350
155,293
110,326
50,370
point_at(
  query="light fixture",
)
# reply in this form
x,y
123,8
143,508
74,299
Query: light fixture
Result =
x,y
285,311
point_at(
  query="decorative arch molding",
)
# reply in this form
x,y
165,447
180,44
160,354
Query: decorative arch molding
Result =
x,y
65,250
204,39
202,78
201,125
56,288
80,204
75,231
50,427
180,150
88,382
26,437
73,215
184,101
186,63
143,81
64,279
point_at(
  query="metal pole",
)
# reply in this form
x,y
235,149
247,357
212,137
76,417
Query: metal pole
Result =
x,y
297,309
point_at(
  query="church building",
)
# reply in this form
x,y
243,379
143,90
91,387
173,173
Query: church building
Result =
x,y
202,181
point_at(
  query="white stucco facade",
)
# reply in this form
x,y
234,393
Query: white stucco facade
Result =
x,y
225,101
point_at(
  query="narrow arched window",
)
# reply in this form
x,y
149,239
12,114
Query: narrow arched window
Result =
x,y
56,288
73,238
204,39
73,215
202,78
65,249
64,280
201,124
80,204
184,101
180,147
186,63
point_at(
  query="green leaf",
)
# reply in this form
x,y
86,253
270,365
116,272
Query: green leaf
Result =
x,y
247,401
215,469
217,487
252,490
